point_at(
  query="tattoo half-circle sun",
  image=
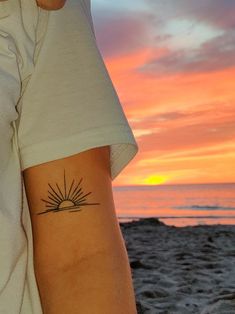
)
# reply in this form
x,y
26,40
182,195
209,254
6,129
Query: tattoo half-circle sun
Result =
x,y
63,198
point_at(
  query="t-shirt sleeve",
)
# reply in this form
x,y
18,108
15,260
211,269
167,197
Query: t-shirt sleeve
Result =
x,y
70,104
10,87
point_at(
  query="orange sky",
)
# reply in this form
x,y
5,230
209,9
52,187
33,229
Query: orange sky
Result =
x,y
177,90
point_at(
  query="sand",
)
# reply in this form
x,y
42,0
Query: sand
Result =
x,y
181,270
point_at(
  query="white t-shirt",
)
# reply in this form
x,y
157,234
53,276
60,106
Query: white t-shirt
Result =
x,y
56,100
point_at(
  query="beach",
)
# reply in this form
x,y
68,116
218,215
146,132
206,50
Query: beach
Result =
x,y
181,270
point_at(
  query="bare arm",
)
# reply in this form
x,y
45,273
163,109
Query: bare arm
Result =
x,y
51,4
80,258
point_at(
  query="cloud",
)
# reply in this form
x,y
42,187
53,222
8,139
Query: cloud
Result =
x,y
217,13
187,137
177,131
159,120
214,55
123,33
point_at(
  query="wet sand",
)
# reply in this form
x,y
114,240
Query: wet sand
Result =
x,y
181,270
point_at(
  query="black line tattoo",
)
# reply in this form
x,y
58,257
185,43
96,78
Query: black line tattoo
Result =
x,y
58,200
75,190
71,188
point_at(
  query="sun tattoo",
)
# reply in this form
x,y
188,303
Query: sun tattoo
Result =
x,y
60,199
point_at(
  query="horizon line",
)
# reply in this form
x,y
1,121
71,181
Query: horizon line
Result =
x,y
167,184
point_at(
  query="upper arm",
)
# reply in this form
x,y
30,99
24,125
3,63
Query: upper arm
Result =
x,y
71,208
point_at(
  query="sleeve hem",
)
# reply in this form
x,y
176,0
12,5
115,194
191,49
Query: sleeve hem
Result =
x,y
120,138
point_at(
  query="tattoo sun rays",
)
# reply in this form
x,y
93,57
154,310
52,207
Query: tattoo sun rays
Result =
x,y
63,198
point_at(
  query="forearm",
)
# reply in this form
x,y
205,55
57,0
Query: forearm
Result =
x,y
99,284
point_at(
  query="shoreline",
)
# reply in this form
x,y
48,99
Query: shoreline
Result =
x,y
184,221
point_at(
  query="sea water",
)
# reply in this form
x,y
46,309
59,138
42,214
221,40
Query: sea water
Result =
x,y
177,205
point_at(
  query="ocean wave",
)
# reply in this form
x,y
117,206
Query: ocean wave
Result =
x,y
205,207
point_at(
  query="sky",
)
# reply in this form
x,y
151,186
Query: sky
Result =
x,y
173,66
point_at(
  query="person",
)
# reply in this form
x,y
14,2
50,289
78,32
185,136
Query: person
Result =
x,y
64,138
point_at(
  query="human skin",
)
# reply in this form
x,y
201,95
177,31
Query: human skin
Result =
x,y
80,259
51,4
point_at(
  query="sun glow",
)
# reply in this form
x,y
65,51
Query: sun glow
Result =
x,y
155,179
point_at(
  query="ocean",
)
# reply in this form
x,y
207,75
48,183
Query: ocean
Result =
x,y
177,205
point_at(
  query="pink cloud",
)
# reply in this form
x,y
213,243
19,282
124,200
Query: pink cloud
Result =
x,y
120,35
214,55
218,13
175,131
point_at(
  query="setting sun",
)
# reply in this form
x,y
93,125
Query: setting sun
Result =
x,y
155,179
